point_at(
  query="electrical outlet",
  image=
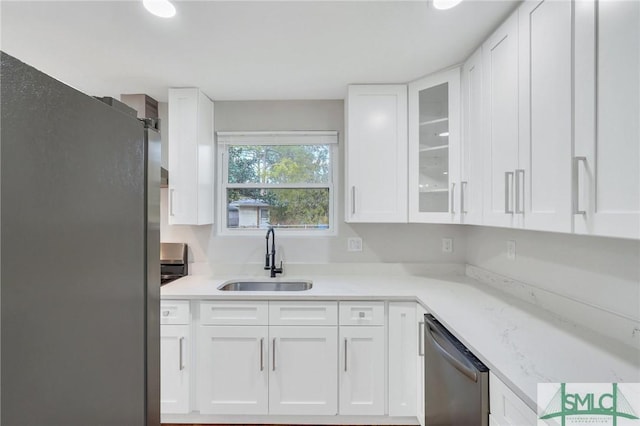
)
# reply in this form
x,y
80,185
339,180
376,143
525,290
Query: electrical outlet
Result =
x,y
354,244
447,245
511,250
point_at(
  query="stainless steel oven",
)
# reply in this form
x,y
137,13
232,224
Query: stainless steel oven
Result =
x,y
456,381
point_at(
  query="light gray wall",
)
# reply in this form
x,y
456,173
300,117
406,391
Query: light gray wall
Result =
x,y
381,243
604,272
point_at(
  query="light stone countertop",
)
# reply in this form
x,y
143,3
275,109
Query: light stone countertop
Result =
x,y
521,343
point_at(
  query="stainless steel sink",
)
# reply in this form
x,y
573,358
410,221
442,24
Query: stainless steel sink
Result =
x,y
266,286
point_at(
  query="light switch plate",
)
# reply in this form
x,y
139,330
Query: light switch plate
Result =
x,y
354,244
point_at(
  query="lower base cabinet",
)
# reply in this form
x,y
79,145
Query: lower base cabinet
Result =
x,y
287,358
232,370
302,371
362,378
506,408
403,349
175,342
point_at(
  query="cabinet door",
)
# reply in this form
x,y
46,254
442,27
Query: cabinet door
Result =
x,y
506,408
434,148
376,154
191,157
233,370
362,378
607,130
420,312
471,188
174,369
500,92
302,370
403,346
543,178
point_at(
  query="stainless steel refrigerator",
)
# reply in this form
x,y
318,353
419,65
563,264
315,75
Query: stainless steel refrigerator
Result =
x,y
80,274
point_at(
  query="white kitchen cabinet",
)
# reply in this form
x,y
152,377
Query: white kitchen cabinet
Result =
x,y
542,186
175,368
500,99
607,109
362,378
376,154
233,374
471,146
303,370
506,408
528,119
420,313
191,157
175,352
434,148
403,347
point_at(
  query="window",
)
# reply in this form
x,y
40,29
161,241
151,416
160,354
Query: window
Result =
x,y
279,179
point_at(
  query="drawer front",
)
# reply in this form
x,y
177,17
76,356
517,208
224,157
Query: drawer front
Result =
x,y
303,313
234,313
361,313
174,312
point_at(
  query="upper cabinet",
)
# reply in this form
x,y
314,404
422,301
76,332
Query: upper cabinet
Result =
x,y
528,119
191,157
500,130
606,160
543,178
376,154
434,148
471,158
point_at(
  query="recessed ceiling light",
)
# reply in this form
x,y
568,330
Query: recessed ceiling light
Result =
x,y
161,8
443,134
445,4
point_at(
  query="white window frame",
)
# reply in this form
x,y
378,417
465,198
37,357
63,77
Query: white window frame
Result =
x,y
226,139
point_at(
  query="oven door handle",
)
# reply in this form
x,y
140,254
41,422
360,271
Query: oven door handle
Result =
x,y
455,362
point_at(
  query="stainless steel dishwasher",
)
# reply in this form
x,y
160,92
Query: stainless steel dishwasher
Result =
x,y
456,382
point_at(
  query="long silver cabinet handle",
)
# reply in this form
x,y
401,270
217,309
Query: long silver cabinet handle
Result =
x,y
345,354
463,189
453,192
180,360
171,191
576,182
518,184
273,361
353,200
261,353
508,177
421,338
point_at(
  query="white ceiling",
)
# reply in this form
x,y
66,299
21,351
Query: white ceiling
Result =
x,y
239,50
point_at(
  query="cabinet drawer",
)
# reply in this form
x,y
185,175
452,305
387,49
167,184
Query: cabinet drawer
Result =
x,y
174,312
233,313
361,313
303,313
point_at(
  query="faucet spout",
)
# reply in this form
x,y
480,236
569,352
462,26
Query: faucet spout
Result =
x,y
270,264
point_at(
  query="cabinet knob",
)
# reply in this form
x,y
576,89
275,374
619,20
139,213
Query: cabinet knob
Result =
x,y
361,314
165,313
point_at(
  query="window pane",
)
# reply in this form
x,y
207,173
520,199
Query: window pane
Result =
x,y
298,208
279,164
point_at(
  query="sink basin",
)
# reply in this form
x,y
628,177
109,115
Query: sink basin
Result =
x,y
266,286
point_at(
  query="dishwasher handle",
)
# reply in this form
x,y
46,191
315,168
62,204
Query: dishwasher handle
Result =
x,y
454,361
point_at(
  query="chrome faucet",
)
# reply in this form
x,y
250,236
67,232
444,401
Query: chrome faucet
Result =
x,y
272,267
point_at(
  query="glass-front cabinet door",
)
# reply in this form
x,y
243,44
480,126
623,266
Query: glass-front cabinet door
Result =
x,y
434,148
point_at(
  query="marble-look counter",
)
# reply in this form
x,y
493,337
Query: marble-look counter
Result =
x,y
521,343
